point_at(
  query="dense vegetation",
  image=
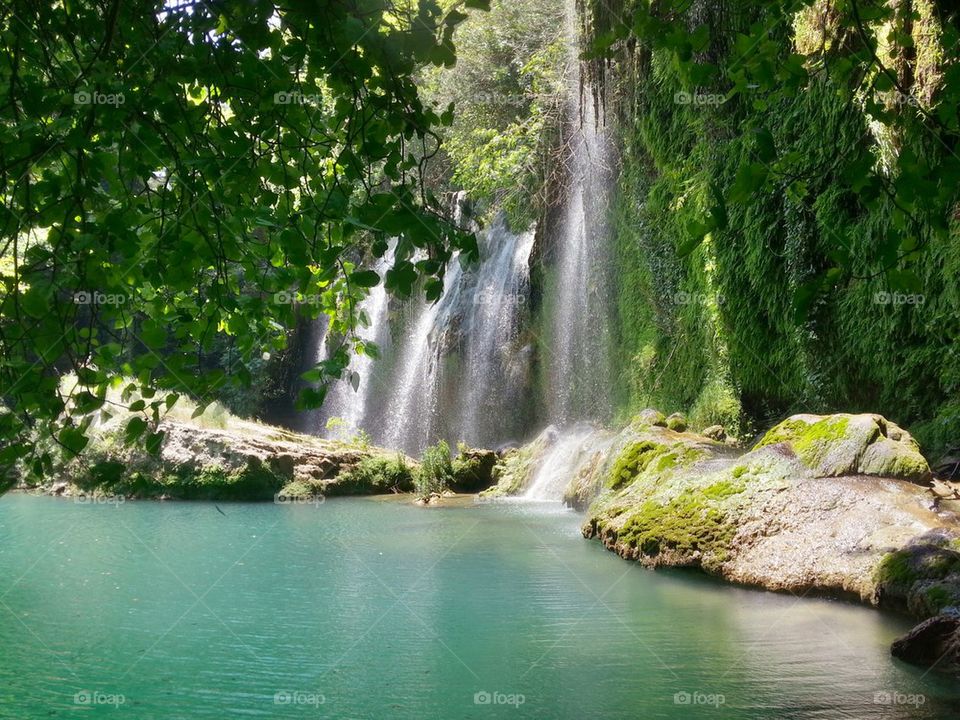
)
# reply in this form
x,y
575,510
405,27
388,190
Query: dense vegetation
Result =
x,y
786,213
174,174
184,183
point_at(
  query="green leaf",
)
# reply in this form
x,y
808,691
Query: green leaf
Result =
x,y
73,439
364,278
134,429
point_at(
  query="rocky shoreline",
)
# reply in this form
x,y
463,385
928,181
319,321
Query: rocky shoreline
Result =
x,y
244,461
839,506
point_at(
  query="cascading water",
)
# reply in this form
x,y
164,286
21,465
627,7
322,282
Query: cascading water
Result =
x,y
461,372
456,368
346,401
578,300
579,297
562,461
460,368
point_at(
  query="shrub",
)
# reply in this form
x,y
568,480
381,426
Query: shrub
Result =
x,y
436,470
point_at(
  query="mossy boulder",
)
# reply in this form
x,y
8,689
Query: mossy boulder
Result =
x,y
651,417
922,577
715,432
474,470
677,422
802,512
842,444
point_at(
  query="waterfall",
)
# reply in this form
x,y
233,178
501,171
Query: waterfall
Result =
x,y
344,401
569,451
460,373
461,368
579,297
452,369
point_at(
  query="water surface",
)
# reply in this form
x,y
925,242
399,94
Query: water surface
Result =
x,y
369,608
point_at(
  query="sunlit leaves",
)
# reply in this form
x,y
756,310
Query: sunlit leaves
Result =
x,y
200,175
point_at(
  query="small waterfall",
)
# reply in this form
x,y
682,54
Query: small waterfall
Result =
x,y
570,449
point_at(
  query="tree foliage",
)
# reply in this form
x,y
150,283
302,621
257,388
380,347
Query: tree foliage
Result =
x,y
174,172
509,91
885,57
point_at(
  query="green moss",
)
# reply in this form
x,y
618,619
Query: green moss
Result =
x,y
813,443
375,475
691,524
632,461
939,597
648,456
810,441
723,489
906,567
300,490
785,431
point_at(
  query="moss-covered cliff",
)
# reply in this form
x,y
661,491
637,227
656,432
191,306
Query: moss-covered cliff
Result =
x,y
791,302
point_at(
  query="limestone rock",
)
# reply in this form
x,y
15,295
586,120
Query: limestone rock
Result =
x,y
244,461
651,417
715,432
843,444
802,512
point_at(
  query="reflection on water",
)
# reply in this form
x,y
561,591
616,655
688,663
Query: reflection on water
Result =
x,y
376,609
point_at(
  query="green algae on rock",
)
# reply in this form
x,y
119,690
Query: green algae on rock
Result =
x,y
843,444
810,509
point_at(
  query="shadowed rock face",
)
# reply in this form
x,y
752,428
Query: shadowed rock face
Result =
x,y
934,643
